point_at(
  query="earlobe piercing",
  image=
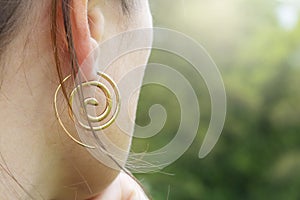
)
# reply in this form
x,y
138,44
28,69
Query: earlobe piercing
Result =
x,y
103,117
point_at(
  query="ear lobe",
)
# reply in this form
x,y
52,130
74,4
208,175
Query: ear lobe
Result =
x,y
87,28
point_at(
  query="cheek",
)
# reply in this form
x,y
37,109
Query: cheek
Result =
x,y
117,23
141,16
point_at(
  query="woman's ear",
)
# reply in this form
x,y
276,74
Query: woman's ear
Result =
x,y
87,24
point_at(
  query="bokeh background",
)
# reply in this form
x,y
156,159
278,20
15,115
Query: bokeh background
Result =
x,y
256,45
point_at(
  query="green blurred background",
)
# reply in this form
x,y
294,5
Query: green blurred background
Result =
x,y
256,45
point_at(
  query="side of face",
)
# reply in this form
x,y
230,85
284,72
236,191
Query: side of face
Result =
x,y
33,145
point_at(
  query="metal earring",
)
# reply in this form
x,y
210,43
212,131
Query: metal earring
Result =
x,y
92,101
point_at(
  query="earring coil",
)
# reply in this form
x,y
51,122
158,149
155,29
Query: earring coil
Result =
x,y
94,102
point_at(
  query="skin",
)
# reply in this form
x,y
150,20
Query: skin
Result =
x,y
33,146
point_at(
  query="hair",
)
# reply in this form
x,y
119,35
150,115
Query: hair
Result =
x,y
8,21
12,12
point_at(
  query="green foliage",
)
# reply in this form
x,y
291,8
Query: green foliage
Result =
x,y
258,154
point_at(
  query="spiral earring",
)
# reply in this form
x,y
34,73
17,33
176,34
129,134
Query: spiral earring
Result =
x,y
94,102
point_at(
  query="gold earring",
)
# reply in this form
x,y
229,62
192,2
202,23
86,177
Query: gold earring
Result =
x,y
92,101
